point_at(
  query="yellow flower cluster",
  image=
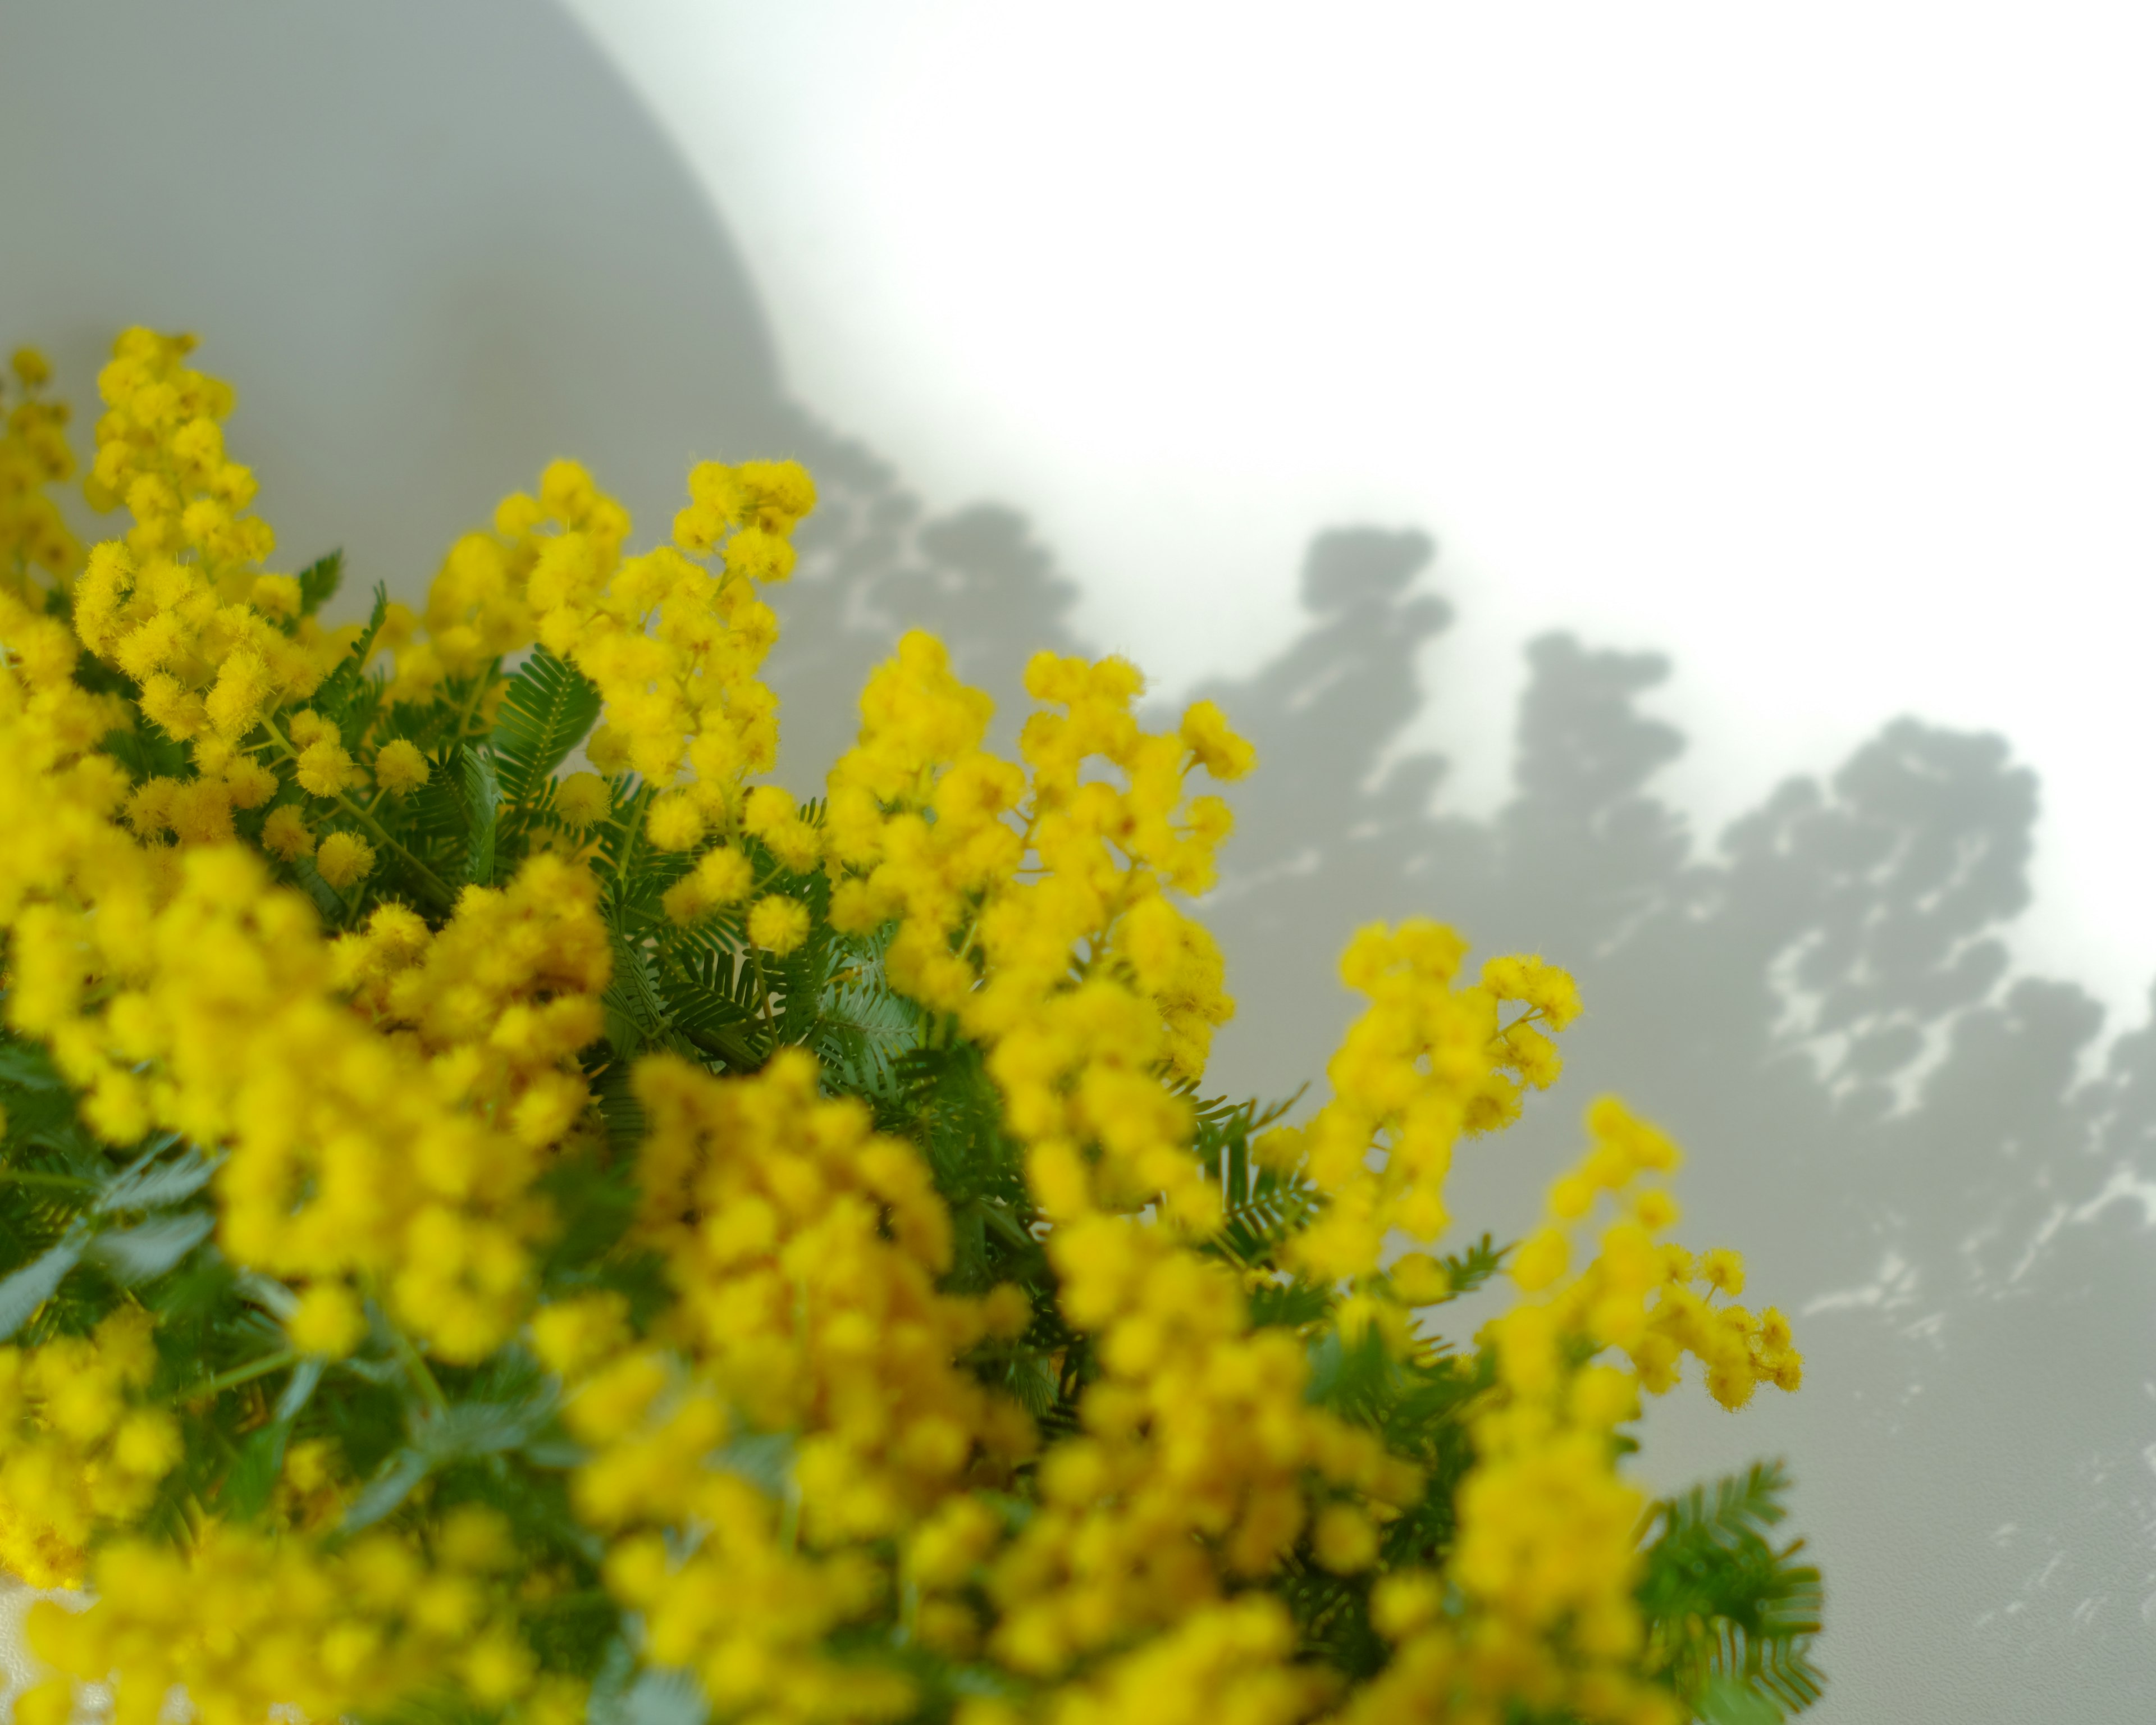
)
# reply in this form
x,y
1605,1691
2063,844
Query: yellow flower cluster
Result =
x,y
1740,1350
247,1623
805,1489
185,991
1547,1553
217,648
179,603
1426,1062
79,1447
499,1000
354,1157
803,1251
1032,907
1547,1546
34,455
751,1611
1227,1663
1607,1301
1198,1451
674,648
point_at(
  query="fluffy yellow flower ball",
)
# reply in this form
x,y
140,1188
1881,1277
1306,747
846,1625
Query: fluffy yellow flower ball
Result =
x,y
328,1321
778,925
285,834
343,859
583,799
400,767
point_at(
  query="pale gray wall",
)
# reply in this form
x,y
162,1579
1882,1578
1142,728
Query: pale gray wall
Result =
x,y
436,245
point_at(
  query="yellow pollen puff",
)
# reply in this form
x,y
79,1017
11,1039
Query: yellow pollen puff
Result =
x,y
583,799
570,1336
399,768
1541,1260
276,596
674,822
778,925
328,1320
1571,1197
781,491
325,770
284,834
344,859
1404,1601
1723,1270
249,783
724,876
1655,1210
1419,1279
1343,1539
759,555
1215,748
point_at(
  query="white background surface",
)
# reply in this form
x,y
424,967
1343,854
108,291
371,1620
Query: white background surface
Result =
x,y
1812,353
1811,347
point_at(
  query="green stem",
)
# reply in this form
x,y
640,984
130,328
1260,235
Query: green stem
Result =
x,y
762,988
632,827
726,1046
416,1364
479,692
972,933
243,1374
29,1176
1000,1220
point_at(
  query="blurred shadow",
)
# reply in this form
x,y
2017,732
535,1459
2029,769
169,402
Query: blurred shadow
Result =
x,y
1889,1125
430,273
1892,1129
872,567
433,247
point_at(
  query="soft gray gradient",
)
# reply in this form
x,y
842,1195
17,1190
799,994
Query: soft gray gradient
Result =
x,y
435,246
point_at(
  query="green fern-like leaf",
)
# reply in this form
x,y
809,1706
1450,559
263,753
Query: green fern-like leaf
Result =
x,y
638,1015
547,708
437,823
1467,1271
483,801
710,992
338,689
1726,1608
319,582
1254,1229
949,1105
634,873
861,1029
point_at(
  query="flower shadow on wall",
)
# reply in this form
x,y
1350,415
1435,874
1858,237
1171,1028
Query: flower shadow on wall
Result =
x,y
455,265
1821,1010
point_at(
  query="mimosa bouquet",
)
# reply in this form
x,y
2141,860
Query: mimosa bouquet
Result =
x,y
507,1214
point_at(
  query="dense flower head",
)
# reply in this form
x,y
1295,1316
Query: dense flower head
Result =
x,y
84,1446
816,1238
244,1622
512,1233
1193,1471
1035,909
34,456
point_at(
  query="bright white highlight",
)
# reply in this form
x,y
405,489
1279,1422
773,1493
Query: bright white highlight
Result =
x,y
1812,347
